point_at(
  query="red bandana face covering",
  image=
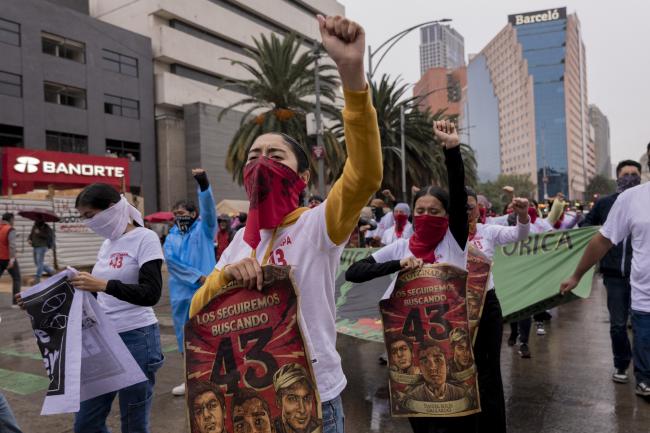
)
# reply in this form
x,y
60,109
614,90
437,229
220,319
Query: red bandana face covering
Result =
x,y
429,232
532,213
273,190
400,223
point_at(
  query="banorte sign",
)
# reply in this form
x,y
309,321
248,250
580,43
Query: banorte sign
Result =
x,y
24,170
537,16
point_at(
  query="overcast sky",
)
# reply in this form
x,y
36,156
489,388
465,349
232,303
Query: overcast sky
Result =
x,y
616,36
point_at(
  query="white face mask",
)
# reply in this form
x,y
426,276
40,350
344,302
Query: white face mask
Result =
x,y
111,223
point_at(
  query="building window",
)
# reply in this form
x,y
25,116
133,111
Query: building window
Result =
x,y
11,136
11,84
209,37
65,95
123,149
65,48
119,106
64,142
9,32
204,77
120,63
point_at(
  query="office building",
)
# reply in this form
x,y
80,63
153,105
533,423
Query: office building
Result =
x,y
441,47
532,78
442,89
192,43
76,102
600,125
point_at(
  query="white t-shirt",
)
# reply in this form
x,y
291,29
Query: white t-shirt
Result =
x,y
488,237
447,251
389,235
630,216
307,247
386,222
121,260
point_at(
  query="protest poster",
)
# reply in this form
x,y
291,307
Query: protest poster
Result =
x,y
431,364
83,354
528,273
247,364
478,277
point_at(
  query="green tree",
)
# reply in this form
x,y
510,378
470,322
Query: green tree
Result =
x,y
424,157
282,80
493,190
601,185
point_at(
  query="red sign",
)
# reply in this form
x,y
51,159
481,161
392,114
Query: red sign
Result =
x,y
318,152
24,170
246,363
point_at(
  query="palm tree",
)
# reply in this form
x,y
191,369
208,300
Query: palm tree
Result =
x,y
282,79
424,157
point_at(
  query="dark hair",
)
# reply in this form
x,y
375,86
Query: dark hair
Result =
x,y
198,387
431,344
648,147
98,196
436,192
315,197
243,395
471,193
8,216
398,337
188,205
625,163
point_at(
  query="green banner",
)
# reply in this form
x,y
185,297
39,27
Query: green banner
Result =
x,y
528,274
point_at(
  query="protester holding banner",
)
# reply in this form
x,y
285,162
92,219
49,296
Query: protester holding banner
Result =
x,y
487,348
189,253
615,268
128,281
311,240
402,228
440,236
628,218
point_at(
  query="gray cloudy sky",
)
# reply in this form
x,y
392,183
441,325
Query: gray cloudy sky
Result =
x,y
616,36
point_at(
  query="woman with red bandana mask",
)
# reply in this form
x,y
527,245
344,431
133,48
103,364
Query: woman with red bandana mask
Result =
x,y
402,228
279,232
487,348
440,225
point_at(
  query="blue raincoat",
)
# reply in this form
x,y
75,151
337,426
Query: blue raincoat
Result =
x,y
190,256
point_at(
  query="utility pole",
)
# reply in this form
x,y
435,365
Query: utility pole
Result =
x,y
402,121
545,177
320,149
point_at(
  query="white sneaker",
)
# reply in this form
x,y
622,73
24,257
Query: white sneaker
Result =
x,y
540,328
179,390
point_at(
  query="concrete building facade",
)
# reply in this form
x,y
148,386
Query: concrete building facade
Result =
x,y
600,125
442,89
85,88
441,47
192,43
535,68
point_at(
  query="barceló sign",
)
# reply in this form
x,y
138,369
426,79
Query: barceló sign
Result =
x,y
537,16
24,169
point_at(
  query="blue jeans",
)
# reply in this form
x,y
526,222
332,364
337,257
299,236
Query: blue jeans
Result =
x,y
7,421
135,401
333,417
618,304
39,261
641,328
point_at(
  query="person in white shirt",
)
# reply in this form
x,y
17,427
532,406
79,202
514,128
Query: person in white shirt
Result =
x,y
487,348
402,228
629,216
128,281
279,232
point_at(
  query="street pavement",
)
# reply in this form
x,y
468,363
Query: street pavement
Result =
x,y
564,388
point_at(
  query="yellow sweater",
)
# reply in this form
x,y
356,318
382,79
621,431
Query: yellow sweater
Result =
x,y
362,176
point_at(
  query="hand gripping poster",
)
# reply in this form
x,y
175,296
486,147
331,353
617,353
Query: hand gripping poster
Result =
x,y
246,362
478,277
431,363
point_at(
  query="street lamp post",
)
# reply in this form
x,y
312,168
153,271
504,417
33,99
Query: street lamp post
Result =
x,y
403,147
319,127
392,41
